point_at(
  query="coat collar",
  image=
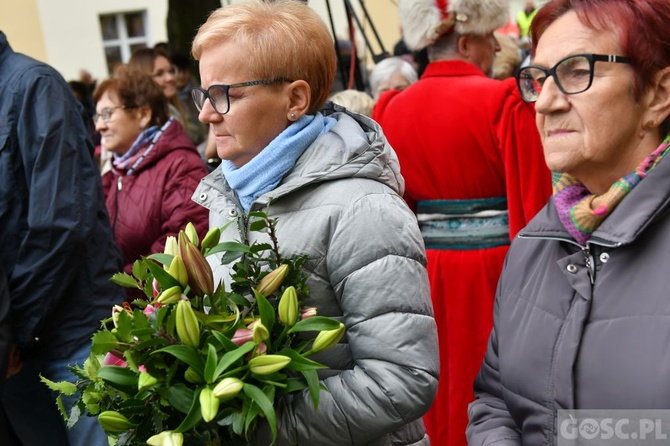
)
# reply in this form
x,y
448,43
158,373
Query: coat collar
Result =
x,y
643,206
451,68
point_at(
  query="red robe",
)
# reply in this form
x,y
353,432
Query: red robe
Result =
x,y
460,135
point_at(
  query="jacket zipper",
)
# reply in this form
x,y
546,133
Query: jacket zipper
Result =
x,y
119,183
586,250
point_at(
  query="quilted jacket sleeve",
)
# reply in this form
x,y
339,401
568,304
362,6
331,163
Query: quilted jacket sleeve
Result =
x,y
376,266
490,422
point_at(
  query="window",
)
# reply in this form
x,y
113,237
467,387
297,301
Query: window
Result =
x,y
122,33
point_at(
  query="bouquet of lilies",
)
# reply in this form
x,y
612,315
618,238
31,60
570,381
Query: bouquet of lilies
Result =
x,y
199,362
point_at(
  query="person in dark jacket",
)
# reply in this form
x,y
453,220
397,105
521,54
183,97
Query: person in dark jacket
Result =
x,y
582,314
155,167
56,246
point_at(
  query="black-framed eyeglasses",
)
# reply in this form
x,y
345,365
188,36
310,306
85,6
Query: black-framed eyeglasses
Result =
x,y
107,112
218,94
573,74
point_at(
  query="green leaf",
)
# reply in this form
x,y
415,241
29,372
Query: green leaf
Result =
x,y
230,257
186,354
267,312
180,397
313,385
210,364
124,324
299,363
64,387
316,323
264,403
165,280
119,377
224,341
194,415
103,342
125,280
229,247
258,225
231,357
164,259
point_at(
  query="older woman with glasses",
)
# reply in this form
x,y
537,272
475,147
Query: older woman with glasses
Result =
x,y
582,316
333,184
155,168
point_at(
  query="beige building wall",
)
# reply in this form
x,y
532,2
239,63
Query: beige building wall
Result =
x,y
20,21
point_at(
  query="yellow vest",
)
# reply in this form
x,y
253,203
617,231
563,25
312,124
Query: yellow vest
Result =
x,y
524,22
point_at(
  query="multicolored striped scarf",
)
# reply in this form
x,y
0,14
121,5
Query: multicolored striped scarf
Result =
x,y
581,212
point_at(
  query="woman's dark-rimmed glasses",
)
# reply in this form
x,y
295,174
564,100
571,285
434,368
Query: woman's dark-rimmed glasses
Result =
x,y
572,75
218,94
107,112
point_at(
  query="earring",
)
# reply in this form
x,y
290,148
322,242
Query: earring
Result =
x,y
650,124
292,117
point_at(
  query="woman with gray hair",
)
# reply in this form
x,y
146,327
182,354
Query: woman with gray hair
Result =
x,y
392,73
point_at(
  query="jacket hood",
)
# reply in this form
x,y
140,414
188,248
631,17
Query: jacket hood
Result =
x,y
355,147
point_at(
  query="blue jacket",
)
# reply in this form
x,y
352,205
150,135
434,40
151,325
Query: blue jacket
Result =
x,y
55,242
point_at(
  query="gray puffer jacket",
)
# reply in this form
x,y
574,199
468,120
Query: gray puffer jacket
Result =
x,y
579,327
341,205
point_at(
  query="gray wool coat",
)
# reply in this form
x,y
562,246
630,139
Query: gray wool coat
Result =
x,y
341,205
579,327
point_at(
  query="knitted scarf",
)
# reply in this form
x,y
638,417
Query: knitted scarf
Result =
x,y
140,148
581,212
264,172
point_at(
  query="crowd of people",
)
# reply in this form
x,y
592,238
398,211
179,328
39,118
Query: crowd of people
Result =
x,y
487,218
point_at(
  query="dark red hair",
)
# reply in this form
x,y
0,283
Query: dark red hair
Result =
x,y
641,27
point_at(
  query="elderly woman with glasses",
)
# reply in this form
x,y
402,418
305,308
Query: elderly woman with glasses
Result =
x,y
155,168
582,316
333,184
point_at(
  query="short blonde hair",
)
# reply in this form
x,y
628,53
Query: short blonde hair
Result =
x,y
285,38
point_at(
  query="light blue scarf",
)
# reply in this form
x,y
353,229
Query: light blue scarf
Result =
x,y
264,172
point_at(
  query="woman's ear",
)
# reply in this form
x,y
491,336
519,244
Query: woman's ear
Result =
x,y
145,116
658,104
300,97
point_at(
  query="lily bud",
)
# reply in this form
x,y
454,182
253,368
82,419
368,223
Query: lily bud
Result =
x,y
112,359
307,312
211,238
166,438
327,339
209,404
242,336
114,422
271,282
178,270
116,309
146,381
288,307
188,328
267,364
192,376
260,332
228,388
192,234
169,296
199,272
171,246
